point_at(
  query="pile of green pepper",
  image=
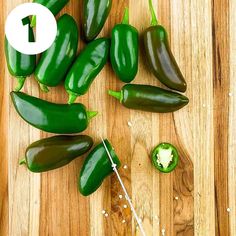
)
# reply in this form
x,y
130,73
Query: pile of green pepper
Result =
x,y
60,63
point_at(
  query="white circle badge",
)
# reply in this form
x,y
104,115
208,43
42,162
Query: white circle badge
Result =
x,y
17,28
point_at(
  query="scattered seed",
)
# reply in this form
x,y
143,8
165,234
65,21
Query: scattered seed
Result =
x,y
204,105
230,94
103,212
120,196
123,221
125,206
125,167
228,209
176,198
163,231
129,124
106,215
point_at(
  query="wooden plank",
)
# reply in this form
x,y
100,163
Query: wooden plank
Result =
x,y
24,187
183,185
141,136
232,117
201,115
121,139
4,213
63,210
220,33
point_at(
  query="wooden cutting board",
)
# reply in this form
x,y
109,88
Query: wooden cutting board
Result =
x,y
199,198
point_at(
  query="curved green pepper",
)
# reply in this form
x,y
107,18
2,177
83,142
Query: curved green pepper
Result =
x,y
55,6
124,50
51,117
56,61
55,152
86,67
20,65
97,166
95,14
165,157
160,57
149,98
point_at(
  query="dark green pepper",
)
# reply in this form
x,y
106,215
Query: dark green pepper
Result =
x,y
51,117
55,152
20,65
56,61
165,157
95,14
86,67
124,50
149,98
160,57
97,166
55,6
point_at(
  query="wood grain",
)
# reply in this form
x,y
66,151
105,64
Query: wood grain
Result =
x,y
194,199
220,34
232,116
3,130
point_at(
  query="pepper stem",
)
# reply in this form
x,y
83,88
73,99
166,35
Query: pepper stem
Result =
x,y
22,162
33,21
116,94
91,114
72,97
126,16
20,83
44,88
154,20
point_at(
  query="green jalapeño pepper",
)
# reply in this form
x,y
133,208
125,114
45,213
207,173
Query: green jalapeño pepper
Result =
x,y
20,65
149,98
124,50
160,57
165,157
54,152
86,67
51,117
95,14
56,61
97,166
55,6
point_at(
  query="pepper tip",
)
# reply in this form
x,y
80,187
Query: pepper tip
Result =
x,y
21,82
44,88
72,97
91,114
115,94
22,162
125,19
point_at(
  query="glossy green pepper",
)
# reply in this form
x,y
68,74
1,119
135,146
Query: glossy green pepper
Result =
x,y
55,6
124,50
160,57
20,65
55,152
55,62
97,166
165,157
149,98
86,67
51,117
95,14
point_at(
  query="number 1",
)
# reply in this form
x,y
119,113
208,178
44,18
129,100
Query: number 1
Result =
x,y
26,21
